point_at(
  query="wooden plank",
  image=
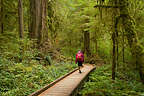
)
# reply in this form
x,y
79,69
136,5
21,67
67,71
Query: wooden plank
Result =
x,y
51,84
67,85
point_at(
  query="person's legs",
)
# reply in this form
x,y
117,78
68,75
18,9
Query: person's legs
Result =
x,y
79,69
82,64
79,66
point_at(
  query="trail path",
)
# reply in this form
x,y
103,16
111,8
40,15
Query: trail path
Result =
x,y
68,84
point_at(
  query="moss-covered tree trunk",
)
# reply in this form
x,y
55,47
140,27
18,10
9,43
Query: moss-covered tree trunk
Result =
x,y
1,16
123,47
114,55
115,40
20,15
115,47
136,48
87,43
96,42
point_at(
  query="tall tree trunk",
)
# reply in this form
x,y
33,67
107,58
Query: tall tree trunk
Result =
x,y
44,19
32,31
115,41
87,43
96,42
123,47
35,18
21,28
136,48
100,9
40,14
1,16
115,47
38,20
43,32
20,15
113,56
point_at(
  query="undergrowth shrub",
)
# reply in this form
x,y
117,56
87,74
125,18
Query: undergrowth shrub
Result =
x,y
22,80
20,72
101,84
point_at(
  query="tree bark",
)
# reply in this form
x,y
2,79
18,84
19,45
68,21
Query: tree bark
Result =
x,y
115,41
96,43
43,32
32,20
38,27
20,15
113,56
115,48
35,18
44,19
123,49
1,16
40,31
87,43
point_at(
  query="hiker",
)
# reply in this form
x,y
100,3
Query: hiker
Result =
x,y
79,60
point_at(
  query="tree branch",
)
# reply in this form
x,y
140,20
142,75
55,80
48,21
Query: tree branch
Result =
x,y
107,6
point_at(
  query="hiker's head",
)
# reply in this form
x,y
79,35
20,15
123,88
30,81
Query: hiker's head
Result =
x,y
79,51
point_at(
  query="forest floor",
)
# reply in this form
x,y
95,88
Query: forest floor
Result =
x,y
22,79
18,79
100,83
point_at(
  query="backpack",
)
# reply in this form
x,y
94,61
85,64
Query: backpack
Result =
x,y
79,57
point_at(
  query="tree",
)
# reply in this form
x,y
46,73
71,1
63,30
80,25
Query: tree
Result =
x,y
34,18
1,16
115,41
87,43
38,19
86,37
44,19
20,15
136,48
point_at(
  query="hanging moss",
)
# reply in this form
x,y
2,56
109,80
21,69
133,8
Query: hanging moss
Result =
x,y
136,48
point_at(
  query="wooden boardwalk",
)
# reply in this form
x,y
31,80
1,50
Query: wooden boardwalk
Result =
x,y
68,84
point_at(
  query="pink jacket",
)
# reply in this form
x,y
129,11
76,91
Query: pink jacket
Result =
x,y
77,56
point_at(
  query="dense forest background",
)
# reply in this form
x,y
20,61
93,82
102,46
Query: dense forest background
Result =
x,y
35,34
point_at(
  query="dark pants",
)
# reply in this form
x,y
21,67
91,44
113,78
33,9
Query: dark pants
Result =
x,y
80,63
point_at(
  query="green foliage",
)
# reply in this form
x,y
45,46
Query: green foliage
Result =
x,y
101,84
105,49
22,79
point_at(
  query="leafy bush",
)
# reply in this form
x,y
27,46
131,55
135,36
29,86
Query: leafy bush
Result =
x,y
101,84
22,80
